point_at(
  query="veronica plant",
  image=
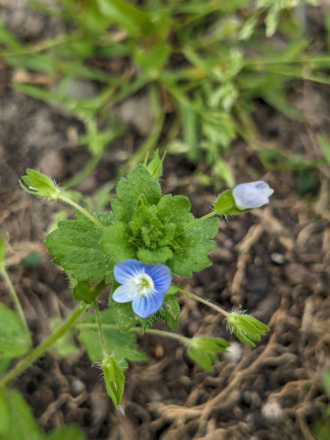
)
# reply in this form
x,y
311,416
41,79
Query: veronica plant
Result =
x,y
135,250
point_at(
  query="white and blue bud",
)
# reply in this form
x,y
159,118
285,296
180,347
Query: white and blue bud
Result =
x,y
143,284
251,195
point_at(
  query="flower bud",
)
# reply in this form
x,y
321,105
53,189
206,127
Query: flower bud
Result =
x,y
114,379
246,327
251,195
40,185
155,166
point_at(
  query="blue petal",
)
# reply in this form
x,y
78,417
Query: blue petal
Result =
x,y
249,195
127,270
161,276
125,293
145,306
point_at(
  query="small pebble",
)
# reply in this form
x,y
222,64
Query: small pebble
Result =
x,y
277,258
272,411
234,353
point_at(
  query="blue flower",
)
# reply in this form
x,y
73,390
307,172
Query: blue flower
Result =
x,y
251,195
143,284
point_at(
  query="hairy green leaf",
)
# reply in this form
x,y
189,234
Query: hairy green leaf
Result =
x,y
138,182
14,341
115,243
120,344
175,210
82,292
22,423
193,248
75,247
169,312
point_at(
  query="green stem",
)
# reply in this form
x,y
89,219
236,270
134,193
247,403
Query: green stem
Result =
x,y
202,300
180,338
100,329
198,220
86,213
17,303
45,345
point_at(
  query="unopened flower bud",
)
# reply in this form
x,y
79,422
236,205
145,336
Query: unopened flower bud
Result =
x,y
251,195
114,379
40,185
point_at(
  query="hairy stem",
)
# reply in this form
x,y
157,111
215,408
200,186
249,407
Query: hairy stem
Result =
x,y
45,345
14,296
100,329
202,300
82,210
199,220
162,333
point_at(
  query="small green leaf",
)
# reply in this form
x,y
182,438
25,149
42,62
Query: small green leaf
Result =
x,y
82,292
175,210
122,344
115,243
152,60
40,185
14,341
136,22
4,363
246,327
193,247
75,247
169,312
138,182
3,249
69,432
5,419
114,379
23,425
326,382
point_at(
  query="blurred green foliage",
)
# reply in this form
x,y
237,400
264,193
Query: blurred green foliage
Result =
x,y
203,63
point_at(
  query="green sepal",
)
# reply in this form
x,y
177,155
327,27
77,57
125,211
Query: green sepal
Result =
x,y
155,166
246,328
225,204
83,292
246,323
114,379
75,247
203,350
39,185
138,182
115,243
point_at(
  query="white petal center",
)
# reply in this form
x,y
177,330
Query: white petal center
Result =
x,y
144,284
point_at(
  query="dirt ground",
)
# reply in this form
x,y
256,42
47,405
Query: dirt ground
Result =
x,y
274,262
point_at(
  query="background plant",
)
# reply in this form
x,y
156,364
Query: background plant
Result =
x,y
202,64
